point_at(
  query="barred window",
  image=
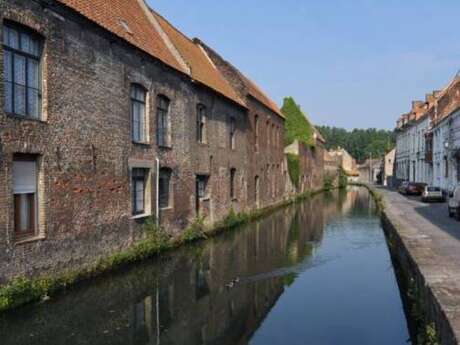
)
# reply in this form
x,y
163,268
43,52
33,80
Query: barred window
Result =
x,y
162,120
138,101
22,72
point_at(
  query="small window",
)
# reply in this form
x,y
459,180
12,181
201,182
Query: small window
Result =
x,y
162,121
202,184
268,133
201,124
232,183
138,102
256,132
25,195
164,188
139,180
22,72
232,133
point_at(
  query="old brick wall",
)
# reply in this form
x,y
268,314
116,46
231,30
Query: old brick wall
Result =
x,y
85,146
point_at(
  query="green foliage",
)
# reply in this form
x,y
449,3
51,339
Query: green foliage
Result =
x,y
196,231
297,126
343,179
294,168
328,183
360,143
234,219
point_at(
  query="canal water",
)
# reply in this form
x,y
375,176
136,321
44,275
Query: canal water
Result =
x,y
316,273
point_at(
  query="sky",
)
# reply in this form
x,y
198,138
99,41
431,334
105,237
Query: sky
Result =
x,y
351,64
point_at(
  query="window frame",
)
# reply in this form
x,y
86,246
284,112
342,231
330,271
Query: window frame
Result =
x,y
232,183
232,138
28,56
32,200
134,180
164,173
133,100
163,118
201,123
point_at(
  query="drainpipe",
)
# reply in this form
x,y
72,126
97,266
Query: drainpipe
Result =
x,y
157,193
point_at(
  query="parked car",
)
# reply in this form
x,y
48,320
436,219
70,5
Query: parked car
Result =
x,y
432,194
413,188
454,202
403,187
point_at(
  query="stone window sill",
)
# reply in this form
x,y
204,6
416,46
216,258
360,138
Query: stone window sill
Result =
x,y
141,216
31,239
25,118
168,208
142,143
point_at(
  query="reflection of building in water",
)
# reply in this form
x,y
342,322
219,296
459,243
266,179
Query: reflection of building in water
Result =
x,y
217,292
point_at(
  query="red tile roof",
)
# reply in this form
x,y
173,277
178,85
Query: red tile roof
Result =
x,y
258,94
128,20
201,67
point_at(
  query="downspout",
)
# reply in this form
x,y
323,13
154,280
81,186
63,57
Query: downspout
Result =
x,y
157,193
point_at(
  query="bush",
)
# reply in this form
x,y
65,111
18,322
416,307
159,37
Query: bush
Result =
x,y
343,179
328,183
195,232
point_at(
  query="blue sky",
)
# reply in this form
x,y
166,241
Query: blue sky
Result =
x,y
352,64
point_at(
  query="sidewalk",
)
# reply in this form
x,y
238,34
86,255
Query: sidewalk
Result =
x,y
432,240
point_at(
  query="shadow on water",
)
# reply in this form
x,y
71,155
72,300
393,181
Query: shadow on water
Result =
x,y
314,273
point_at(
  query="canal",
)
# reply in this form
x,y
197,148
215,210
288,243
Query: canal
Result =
x,y
315,273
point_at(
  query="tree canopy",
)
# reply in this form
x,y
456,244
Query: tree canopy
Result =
x,y
297,126
360,143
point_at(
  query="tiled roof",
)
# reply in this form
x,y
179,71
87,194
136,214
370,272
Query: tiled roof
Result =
x,y
258,94
201,67
128,20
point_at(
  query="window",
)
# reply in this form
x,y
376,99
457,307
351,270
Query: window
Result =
x,y
162,121
201,124
201,183
256,132
25,195
268,133
232,183
256,190
138,101
139,180
21,70
232,133
164,187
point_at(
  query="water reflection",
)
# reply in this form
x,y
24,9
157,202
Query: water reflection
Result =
x,y
218,292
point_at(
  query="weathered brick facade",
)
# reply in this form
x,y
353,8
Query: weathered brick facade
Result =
x,y
85,152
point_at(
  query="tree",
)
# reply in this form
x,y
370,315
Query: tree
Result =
x,y
360,143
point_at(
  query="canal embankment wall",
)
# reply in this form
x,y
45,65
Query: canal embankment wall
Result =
x,y
428,276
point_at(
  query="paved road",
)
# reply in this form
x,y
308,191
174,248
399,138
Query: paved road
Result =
x,y
433,241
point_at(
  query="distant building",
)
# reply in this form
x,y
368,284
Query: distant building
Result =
x,y
388,169
346,162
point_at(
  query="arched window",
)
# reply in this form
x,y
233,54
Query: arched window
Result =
x,y
164,192
163,121
22,75
138,102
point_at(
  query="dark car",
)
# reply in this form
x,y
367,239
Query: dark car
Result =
x,y
415,188
403,187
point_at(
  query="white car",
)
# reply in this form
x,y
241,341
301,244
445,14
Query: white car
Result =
x,y
454,202
432,194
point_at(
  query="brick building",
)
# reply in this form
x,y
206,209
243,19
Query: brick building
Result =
x,y
108,116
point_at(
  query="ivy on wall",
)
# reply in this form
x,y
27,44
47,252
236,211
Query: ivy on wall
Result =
x,y
297,126
294,168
